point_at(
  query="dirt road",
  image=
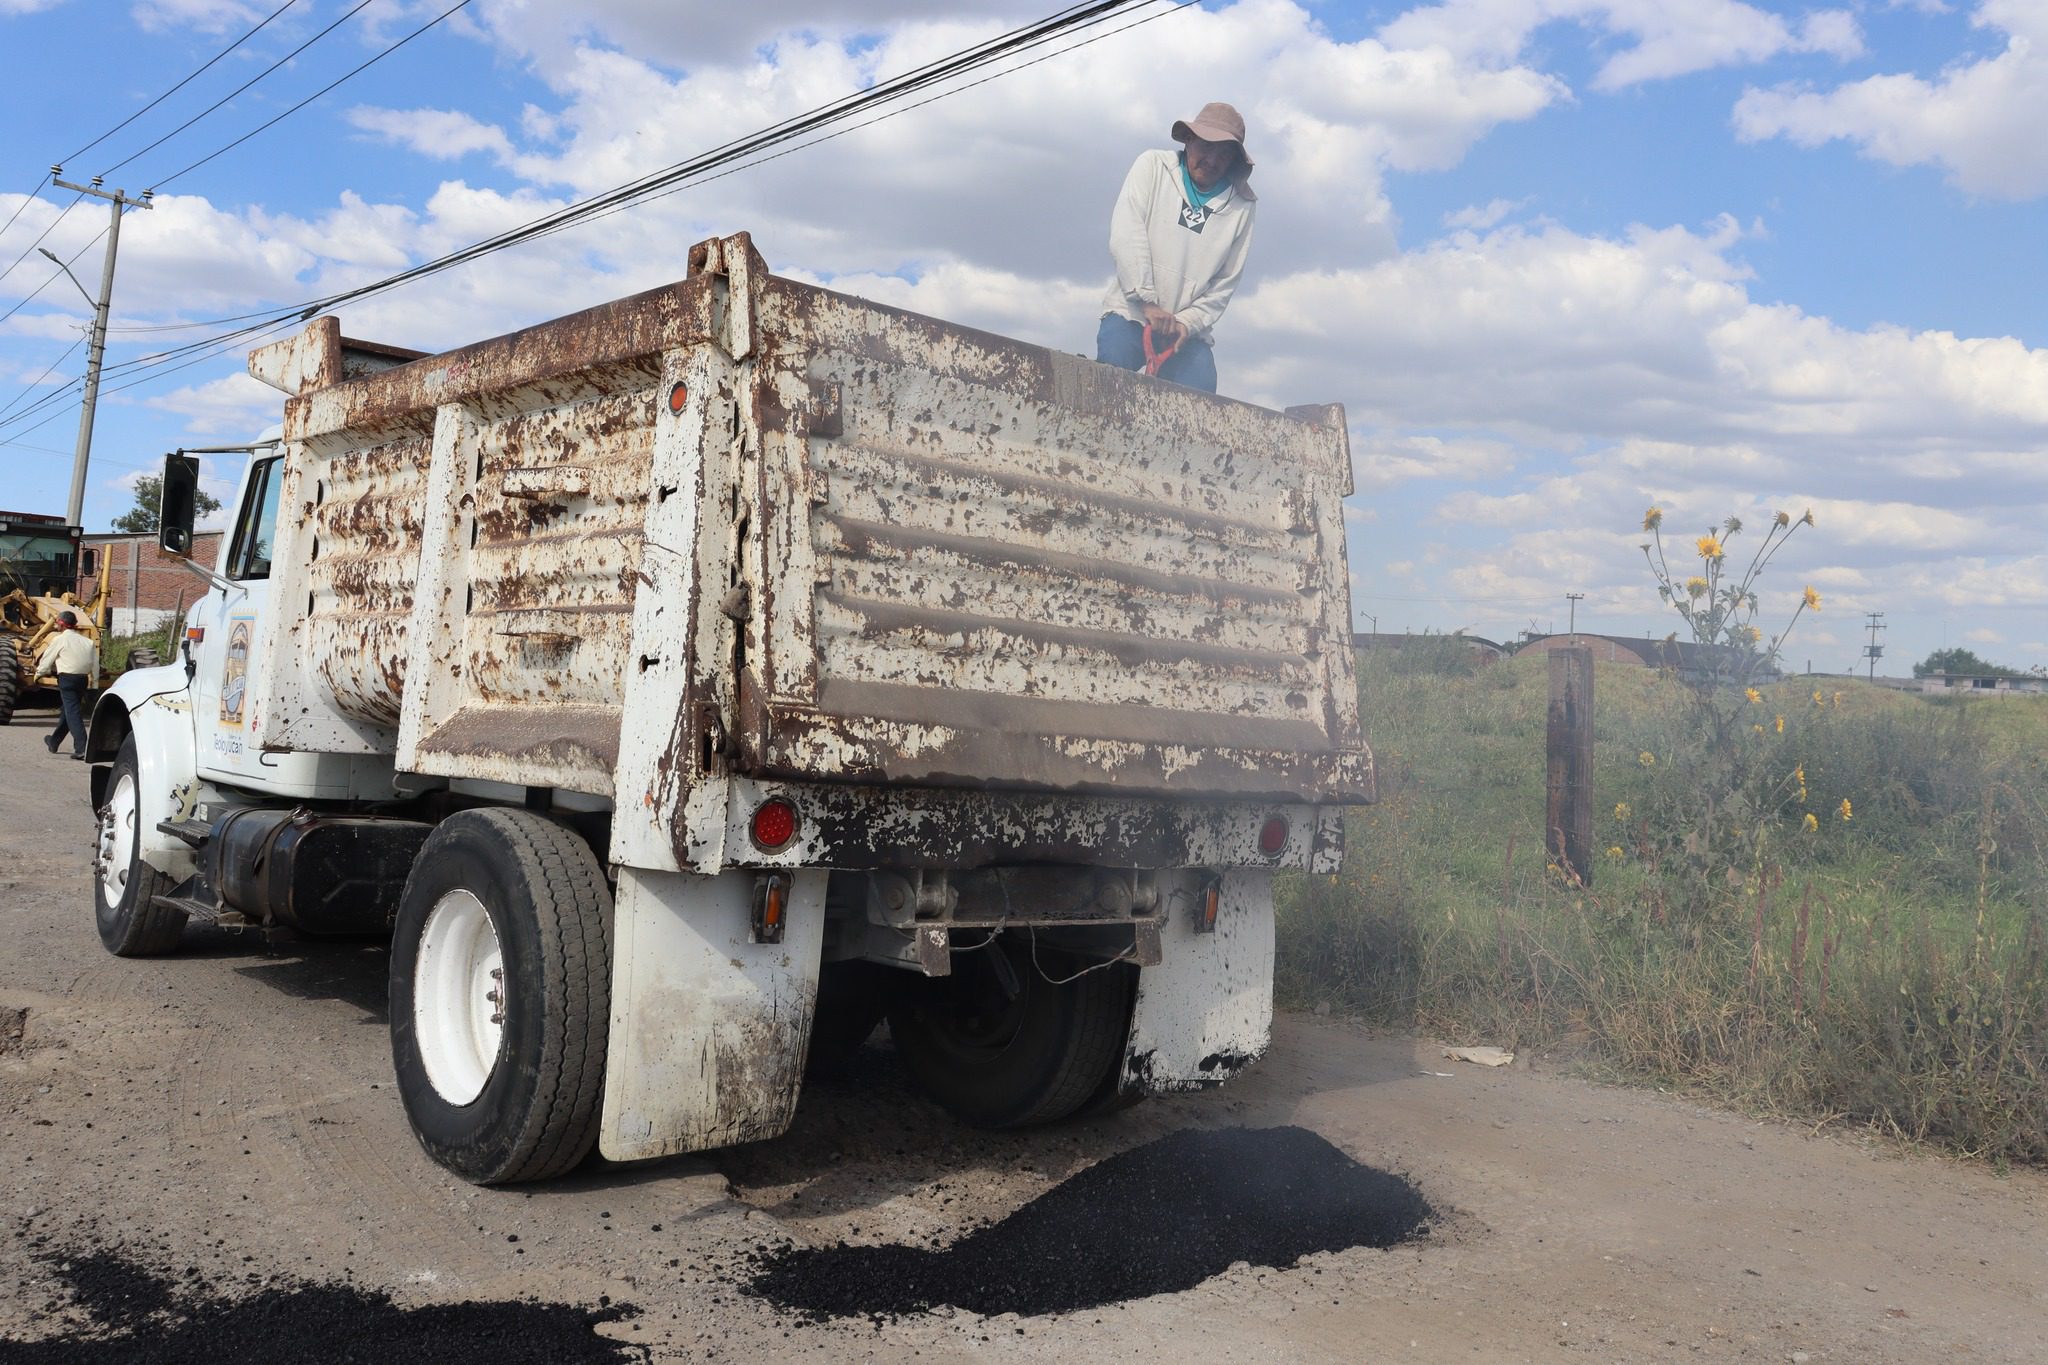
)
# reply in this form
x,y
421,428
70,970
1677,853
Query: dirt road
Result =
x,y
230,1112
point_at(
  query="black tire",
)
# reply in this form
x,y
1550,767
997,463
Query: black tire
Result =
x,y
852,998
998,1061
132,924
10,680
142,656
544,892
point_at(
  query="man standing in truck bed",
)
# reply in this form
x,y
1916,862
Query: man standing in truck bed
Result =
x,y
1180,233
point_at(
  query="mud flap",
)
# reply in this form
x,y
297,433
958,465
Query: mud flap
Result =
x,y
708,1030
1205,1011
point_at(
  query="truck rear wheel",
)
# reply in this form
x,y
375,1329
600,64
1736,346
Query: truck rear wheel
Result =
x,y
125,888
999,1059
501,995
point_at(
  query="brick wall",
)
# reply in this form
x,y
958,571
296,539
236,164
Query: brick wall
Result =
x,y
146,585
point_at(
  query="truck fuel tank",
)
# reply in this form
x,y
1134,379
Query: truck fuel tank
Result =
x,y
319,874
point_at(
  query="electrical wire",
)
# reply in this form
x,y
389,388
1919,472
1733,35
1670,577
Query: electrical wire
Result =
x,y
26,200
36,383
39,238
736,154
459,4
361,5
265,23
23,301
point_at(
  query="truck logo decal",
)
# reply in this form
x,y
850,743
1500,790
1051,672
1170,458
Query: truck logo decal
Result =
x,y
234,680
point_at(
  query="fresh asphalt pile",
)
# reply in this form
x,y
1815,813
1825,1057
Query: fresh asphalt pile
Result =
x,y
1156,1219
108,1309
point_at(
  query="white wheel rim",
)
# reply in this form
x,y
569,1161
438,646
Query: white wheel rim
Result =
x,y
459,997
117,839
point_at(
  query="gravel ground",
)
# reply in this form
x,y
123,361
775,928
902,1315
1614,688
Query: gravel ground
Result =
x,y
207,1149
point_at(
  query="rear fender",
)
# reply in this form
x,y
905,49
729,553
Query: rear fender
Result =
x,y
1205,1010
153,706
708,1030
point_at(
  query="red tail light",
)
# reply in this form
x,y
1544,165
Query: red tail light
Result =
x,y
1273,836
774,824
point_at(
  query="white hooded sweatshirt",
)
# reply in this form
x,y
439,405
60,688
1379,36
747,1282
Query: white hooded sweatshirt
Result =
x,y
1185,261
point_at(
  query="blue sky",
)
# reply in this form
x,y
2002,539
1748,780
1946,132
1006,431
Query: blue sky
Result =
x,y
1561,259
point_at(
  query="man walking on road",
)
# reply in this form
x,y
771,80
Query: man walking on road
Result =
x,y
72,658
1180,233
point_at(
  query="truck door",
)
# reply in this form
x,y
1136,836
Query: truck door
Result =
x,y
232,617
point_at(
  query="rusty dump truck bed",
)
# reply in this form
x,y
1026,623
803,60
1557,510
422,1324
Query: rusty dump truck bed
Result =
x,y
745,525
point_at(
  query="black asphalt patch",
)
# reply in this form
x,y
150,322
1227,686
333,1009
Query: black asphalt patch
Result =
x,y
113,1311
1156,1219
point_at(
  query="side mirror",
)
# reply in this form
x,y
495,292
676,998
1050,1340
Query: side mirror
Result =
x,y
179,506
88,563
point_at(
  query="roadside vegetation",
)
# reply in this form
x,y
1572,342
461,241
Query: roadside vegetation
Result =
x,y
1815,897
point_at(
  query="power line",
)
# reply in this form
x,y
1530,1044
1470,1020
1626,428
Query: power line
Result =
x,y
38,242
181,84
36,383
26,200
744,151
694,169
459,4
238,89
24,300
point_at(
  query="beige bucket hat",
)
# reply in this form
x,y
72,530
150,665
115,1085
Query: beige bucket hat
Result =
x,y
1217,122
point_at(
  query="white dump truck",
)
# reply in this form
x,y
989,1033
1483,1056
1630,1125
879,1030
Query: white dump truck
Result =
x,y
685,685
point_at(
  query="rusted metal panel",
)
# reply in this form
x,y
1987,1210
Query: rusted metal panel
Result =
x,y
742,527
848,825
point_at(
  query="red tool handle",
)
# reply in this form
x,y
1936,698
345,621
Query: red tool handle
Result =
x,y
1156,360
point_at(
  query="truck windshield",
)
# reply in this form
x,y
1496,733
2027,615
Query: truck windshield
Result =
x,y
257,531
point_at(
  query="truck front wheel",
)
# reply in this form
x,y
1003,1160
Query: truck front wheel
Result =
x,y
125,888
500,995
1030,1039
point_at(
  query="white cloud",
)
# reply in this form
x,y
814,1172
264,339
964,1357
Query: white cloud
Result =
x,y
1667,39
234,405
444,134
1984,636
208,16
1481,217
1980,121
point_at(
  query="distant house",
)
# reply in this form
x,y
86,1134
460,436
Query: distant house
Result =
x,y
1979,684
1689,661
145,586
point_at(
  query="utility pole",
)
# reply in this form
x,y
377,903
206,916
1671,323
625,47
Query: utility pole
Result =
x,y
1874,651
119,201
1575,598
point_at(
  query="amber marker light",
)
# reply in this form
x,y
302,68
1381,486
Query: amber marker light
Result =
x,y
677,397
1211,902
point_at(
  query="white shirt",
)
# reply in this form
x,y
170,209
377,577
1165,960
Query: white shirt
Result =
x,y
1187,263
70,652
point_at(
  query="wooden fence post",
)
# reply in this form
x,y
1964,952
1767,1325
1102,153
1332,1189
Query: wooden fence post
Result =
x,y
1568,775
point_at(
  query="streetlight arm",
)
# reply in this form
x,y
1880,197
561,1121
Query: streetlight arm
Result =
x,y
90,301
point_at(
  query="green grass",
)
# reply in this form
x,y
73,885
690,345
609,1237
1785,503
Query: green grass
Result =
x,y
1890,969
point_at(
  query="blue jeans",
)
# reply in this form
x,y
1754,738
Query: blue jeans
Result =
x,y
71,700
1121,342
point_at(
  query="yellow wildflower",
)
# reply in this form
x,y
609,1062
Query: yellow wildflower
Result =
x,y
1621,810
1757,729
1808,518
1781,725
1752,634
1695,587
1756,698
1810,823
1847,810
1653,518
1799,773
1647,759
1812,598
1816,698
1782,519
1613,853
1838,698
1709,546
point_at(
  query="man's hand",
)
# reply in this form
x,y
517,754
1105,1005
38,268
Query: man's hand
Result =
x,y
1164,326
